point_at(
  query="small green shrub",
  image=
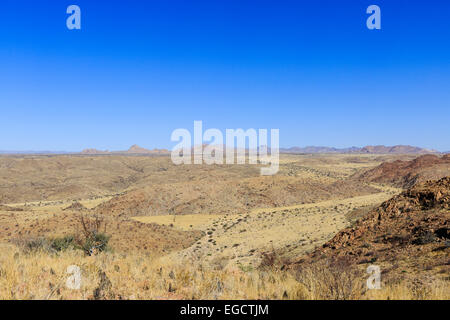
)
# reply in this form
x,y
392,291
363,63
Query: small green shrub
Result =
x,y
96,242
47,244
247,268
64,243
34,244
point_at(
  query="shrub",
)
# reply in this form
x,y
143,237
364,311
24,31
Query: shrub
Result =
x,y
95,243
47,244
92,240
335,280
64,243
34,244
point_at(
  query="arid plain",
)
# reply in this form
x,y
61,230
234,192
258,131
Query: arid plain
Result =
x,y
205,231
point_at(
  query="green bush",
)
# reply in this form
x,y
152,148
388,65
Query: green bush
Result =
x,y
35,244
47,244
64,243
96,242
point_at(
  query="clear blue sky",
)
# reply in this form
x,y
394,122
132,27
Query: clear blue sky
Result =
x,y
137,70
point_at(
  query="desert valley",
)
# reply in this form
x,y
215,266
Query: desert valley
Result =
x,y
140,227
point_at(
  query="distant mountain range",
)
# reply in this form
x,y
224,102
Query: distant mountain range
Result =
x,y
399,149
32,152
135,149
314,149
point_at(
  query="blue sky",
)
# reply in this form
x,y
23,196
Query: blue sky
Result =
x,y
138,70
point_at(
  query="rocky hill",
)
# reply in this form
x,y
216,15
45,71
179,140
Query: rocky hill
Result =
x,y
405,174
408,234
135,149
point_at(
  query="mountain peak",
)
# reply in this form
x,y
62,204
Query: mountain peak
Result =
x,y
137,149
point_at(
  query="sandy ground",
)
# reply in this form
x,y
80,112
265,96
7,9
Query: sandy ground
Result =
x,y
239,240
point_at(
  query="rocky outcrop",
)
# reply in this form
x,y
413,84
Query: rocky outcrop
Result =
x,y
405,174
411,230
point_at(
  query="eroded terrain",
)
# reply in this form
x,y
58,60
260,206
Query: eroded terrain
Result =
x,y
225,220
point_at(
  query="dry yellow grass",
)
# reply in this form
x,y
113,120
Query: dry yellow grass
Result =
x,y
40,275
292,213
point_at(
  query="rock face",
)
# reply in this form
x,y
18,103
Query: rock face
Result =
x,y
404,218
411,229
405,174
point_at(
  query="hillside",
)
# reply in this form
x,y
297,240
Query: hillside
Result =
x,y
405,174
408,235
175,230
228,195
126,235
